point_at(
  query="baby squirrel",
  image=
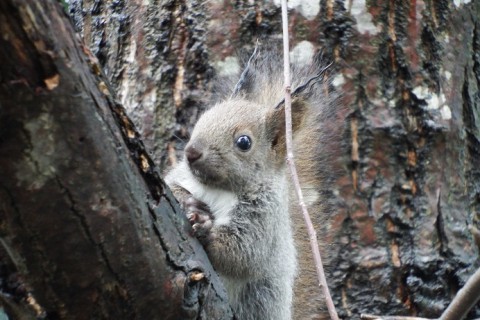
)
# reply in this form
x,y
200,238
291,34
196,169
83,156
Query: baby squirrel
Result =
x,y
234,184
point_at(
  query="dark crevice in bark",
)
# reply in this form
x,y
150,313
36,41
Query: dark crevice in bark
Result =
x,y
257,21
472,131
174,260
433,54
137,149
476,51
105,257
471,118
336,31
440,226
439,11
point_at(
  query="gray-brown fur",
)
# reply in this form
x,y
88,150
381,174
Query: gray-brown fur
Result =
x,y
240,200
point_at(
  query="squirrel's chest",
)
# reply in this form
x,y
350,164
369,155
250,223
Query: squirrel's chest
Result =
x,y
221,202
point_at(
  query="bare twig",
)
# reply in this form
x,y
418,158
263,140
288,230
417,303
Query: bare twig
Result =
x,y
465,299
372,317
290,160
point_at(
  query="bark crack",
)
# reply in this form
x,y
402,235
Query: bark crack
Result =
x,y
84,224
472,140
163,242
440,226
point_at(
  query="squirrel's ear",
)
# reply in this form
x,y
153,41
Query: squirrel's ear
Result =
x,y
276,124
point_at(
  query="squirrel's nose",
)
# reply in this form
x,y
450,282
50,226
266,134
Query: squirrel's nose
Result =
x,y
192,154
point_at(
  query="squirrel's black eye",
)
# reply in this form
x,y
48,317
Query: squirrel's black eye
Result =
x,y
244,143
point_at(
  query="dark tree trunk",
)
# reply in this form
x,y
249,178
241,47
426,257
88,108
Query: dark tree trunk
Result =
x,y
87,226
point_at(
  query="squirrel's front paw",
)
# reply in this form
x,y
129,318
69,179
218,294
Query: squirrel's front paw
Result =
x,y
201,219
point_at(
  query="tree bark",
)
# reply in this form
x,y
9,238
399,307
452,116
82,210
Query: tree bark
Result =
x,y
408,196
406,206
87,225
412,197
155,56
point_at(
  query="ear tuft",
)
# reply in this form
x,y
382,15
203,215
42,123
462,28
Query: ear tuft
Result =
x,y
276,124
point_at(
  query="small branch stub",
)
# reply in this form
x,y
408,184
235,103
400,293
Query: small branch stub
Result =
x,y
197,276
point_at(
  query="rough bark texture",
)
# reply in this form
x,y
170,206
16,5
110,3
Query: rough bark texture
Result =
x,y
413,192
87,230
408,200
154,54
404,209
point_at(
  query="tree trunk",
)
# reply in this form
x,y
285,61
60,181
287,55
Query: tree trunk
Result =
x,y
408,200
87,226
407,204
410,75
154,54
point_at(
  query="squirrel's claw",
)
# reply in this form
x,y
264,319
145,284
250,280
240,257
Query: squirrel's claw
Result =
x,y
200,218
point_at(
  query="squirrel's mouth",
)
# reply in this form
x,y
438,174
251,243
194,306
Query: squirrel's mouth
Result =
x,y
209,174
199,175
205,173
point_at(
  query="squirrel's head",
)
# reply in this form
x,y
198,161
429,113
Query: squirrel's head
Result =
x,y
237,142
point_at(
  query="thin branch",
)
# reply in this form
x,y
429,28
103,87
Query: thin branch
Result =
x,y
463,302
372,317
465,299
290,160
